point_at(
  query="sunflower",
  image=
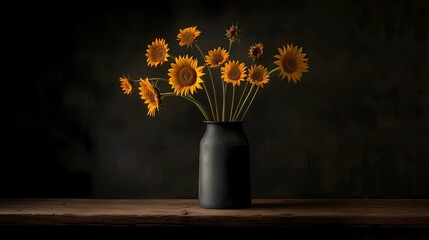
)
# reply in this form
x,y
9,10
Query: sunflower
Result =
x,y
256,51
187,36
292,63
217,57
258,75
126,85
150,95
233,33
157,53
185,75
234,72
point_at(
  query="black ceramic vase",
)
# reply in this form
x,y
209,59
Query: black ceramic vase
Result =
x,y
224,171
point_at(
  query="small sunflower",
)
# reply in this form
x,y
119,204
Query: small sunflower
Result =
x,y
258,75
233,33
292,62
126,85
217,57
157,53
150,95
256,51
234,72
187,36
185,75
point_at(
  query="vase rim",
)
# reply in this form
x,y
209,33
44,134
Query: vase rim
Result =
x,y
226,122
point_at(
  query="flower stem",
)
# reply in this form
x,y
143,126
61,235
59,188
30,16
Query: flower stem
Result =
x,y
244,102
273,70
232,102
208,97
250,103
152,79
214,93
239,101
213,87
229,49
224,86
199,105
159,79
189,98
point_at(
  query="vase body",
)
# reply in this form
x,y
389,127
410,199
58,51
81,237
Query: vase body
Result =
x,y
224,167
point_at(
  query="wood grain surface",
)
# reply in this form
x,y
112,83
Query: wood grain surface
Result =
x,y
185,212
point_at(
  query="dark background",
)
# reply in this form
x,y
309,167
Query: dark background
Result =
x,y
357,125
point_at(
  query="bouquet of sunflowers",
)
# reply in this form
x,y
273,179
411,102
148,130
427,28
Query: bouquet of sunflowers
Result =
x,y
186,75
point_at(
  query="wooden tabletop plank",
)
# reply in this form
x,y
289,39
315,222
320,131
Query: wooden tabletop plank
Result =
x,y
185,212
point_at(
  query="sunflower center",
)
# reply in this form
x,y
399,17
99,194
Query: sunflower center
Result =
x,y
233,32
151,96
189,38
256,52
159,53
187,76
217,59
234,74
289,65
257,76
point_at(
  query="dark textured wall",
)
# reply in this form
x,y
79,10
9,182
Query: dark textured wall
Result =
x,y
357,125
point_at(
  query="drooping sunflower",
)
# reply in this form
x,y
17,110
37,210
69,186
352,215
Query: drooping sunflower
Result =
x,y
234,72
292,63
233,33
217,57
126,85
188,35
185,75
157,53
150,95
258,75
256,51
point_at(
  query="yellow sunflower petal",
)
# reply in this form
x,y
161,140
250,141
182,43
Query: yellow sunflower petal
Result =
x,y
150,95
256,51
217,57
233,72
126,85
188,36
185,75
157,53
292,62
233,33
258,75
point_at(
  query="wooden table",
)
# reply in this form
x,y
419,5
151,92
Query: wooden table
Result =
x,y
297,216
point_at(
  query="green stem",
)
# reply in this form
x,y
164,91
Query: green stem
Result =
x,y
214,93
153,79
213,86
232,102
159,79
200,106
193,100
225,86
244,102
239,101
229,49
250,103
224,83
275,69
208,97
